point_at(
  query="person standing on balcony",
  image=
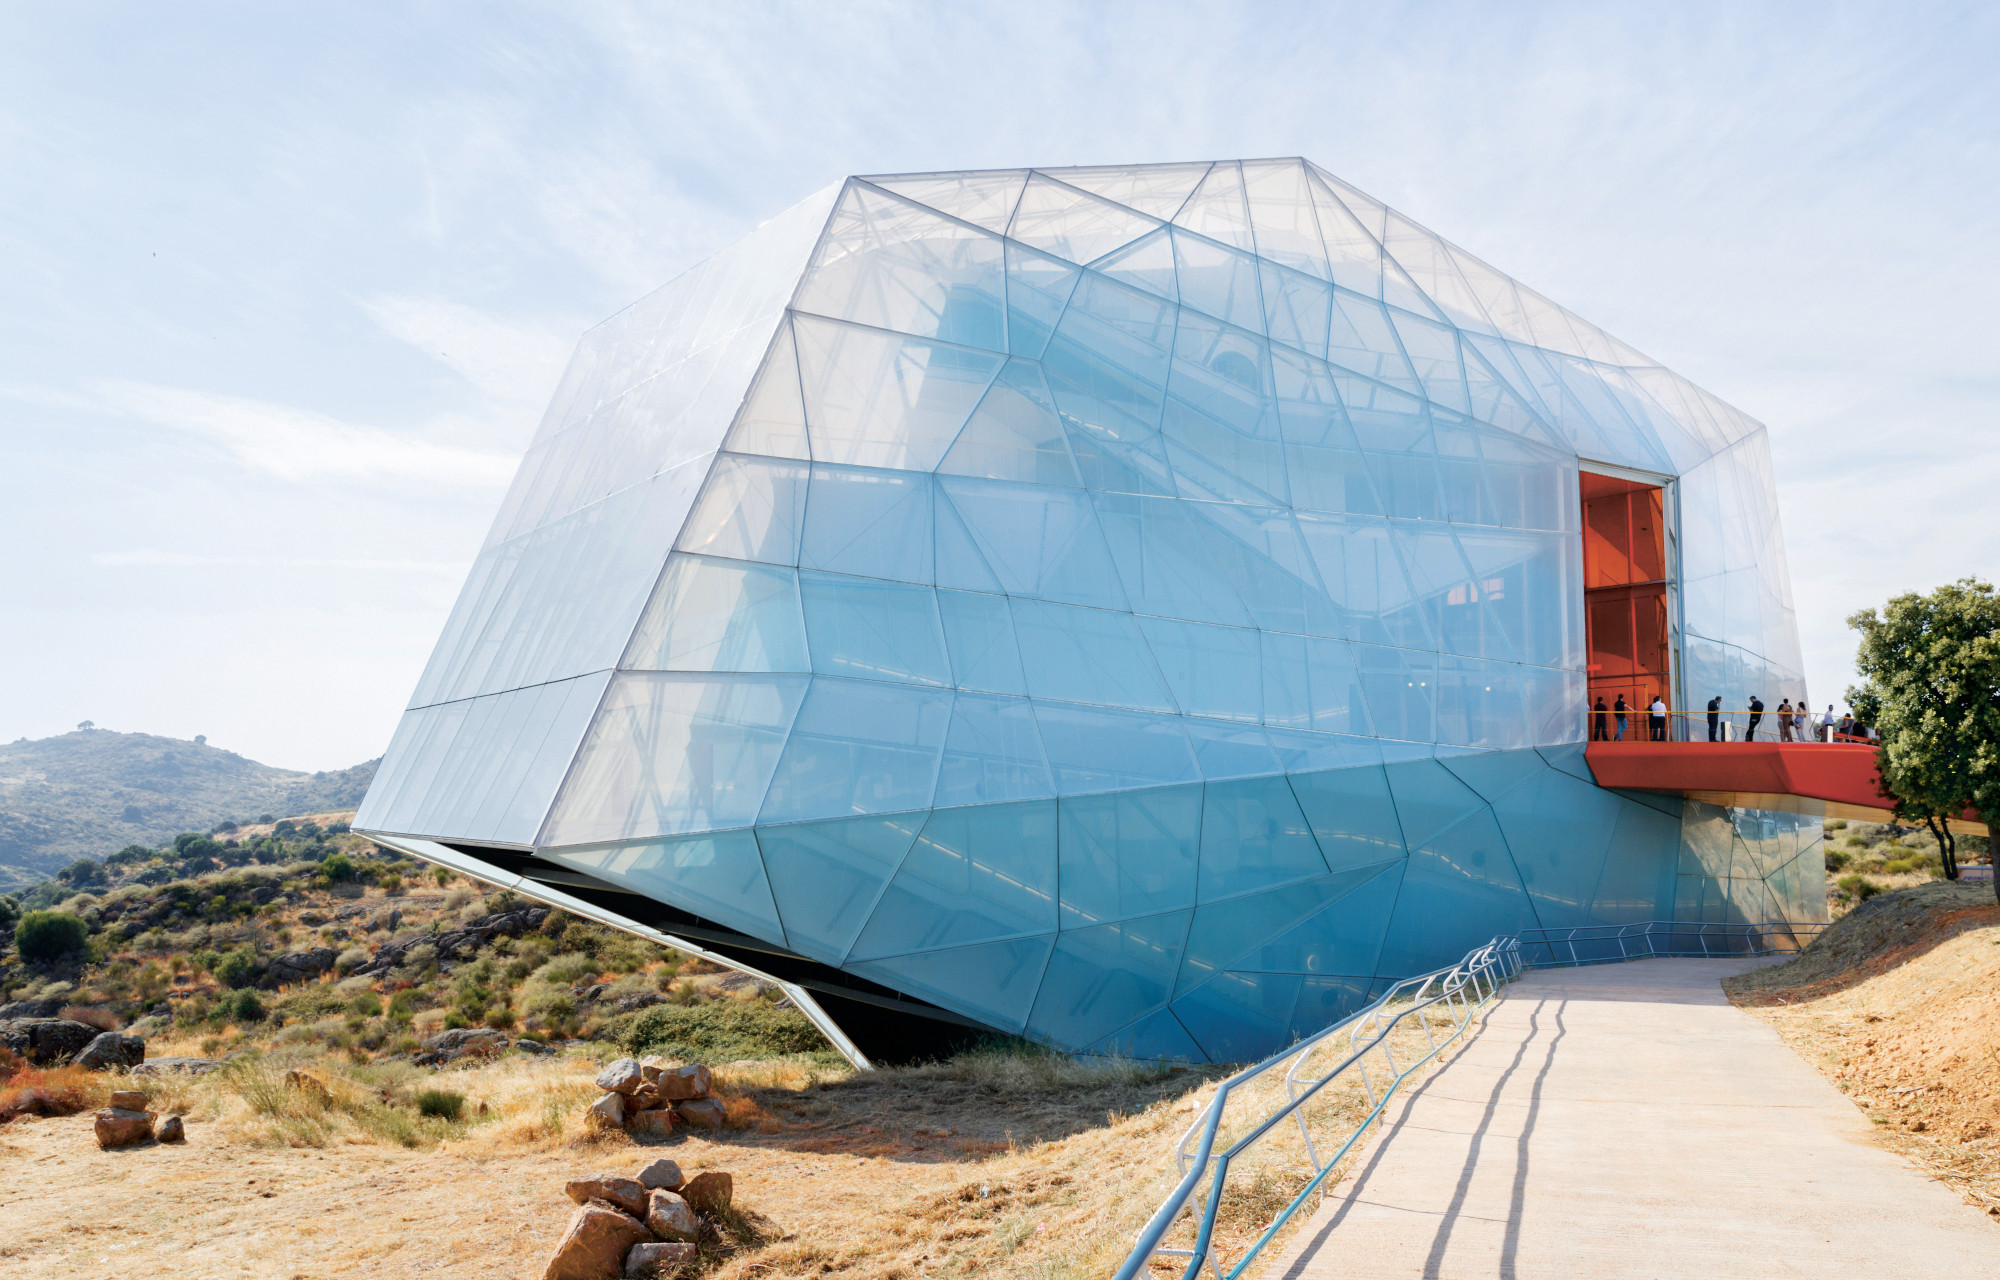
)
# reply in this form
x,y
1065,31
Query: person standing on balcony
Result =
x,y
1600,722
1620,709
1715,718
1756,714
1826,725
1785,720
1657,713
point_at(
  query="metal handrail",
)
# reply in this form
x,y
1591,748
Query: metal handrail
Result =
x,y
1463,989
1681,939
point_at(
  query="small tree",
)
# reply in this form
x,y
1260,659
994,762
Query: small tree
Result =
x,y
337,867
50,935
1930,666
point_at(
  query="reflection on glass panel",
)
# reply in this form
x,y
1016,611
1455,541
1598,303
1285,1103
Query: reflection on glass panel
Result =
x,y
676,753
859,747
827,876
873,524
750,509
873,630
1014,434
720,615
1398,685
773,419
895,265
974,874
992,753
875,399
1095,749
1212,671
1088,655
1130,853
1225,749
719,877
979,632
1038,288
1039,541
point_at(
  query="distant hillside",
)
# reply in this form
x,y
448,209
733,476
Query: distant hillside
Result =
x,y
92,792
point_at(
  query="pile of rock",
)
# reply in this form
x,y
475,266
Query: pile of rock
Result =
x,y
129,1121
647,1225
647,1097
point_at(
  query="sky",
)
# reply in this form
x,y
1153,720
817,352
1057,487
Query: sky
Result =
x,y
284,289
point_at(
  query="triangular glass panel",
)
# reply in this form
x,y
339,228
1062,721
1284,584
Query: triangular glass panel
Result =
x,y
895,265
1157,190
1147,263
1225,932
1157,1037
773,418
1297,309
1072,224
994,982
1354,255
1433,351
882,400
1428,262
1038,288
827,876
1240,1017
993,753
1429,799
986,198
718,876
1361,339
1282,217
1219,281
977,873
1014,434
1219,210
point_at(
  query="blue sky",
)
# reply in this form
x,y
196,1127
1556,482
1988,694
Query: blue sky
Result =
x,y
283,290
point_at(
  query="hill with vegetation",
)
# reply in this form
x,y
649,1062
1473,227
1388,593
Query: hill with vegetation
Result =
x,y
90,793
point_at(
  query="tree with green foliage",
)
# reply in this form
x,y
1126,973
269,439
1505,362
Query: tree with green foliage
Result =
x,y
1930,669
82,872
131,853
237,969
50,935
337,867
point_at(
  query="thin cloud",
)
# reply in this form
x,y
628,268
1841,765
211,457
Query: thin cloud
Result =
x,y
157,559
512,362
296,445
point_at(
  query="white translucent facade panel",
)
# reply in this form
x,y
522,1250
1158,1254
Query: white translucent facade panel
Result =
x,y
676,753
481,768
561,599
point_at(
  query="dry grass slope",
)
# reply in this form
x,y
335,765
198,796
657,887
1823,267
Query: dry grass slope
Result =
x,y
1899,1004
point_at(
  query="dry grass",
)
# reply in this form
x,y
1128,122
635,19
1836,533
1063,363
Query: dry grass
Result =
x,y
1007,1165
1899,1004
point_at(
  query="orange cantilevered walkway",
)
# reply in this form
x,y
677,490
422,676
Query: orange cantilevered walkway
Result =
x,y
1755,775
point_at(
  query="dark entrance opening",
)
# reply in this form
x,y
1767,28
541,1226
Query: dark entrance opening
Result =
x,y
1625,596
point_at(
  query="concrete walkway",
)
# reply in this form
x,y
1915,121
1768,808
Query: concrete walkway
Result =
x,y
1626,1121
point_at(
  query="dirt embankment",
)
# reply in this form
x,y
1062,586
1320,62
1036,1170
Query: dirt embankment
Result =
x,y
1899,1004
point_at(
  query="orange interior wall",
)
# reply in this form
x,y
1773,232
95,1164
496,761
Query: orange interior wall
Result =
x,y
1625,593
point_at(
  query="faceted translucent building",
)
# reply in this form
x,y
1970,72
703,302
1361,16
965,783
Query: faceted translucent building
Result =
x,y
1141,609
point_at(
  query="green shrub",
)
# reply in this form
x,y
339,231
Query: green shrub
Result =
x,y
442,1104
237,969
337,867
1835,859
1861,887
723,1030
246,1007
366,1005
50,935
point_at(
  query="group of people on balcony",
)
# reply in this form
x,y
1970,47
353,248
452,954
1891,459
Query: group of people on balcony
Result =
x,y
1795,724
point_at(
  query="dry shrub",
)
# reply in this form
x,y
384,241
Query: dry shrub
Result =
x,y
91,1016
51,1091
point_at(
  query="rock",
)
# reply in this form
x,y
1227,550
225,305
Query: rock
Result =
x,y
110,1049
680,1083
656,1122
646,1260
171,1131
117,1127
639,1000
651,1066
595,1245
532,1047
302,966
703,1113
609,1111
661,1175
669,1217
710,1192
130,1099
461,1042
30,1009
309,1084
177,1066
644,1097
624,1192
46,1042
622,1076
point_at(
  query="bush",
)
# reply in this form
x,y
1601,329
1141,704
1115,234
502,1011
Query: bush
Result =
x,y
246,1007
1835,859
1861,887
237,969
442,1104
723,1030
50,935
337,867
